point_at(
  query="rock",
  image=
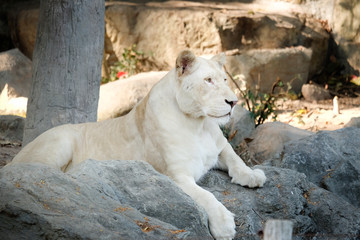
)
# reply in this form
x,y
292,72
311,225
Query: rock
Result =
x,y
116,98
146,26
354,122
346,26
119,97
12,105
130,200
351,52
330,159
256,29
261,68
338,16
11,128
240,126
287,194
15,82
316,37
96,200
205,28
321,9
327,213
238,130
268,140
23,22
314,92
15,70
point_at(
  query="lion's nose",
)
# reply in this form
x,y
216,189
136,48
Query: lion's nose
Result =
x,y
231,103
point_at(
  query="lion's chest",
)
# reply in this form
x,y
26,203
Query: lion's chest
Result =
x,y
207,155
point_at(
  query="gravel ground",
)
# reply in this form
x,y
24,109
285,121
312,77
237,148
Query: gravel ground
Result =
x,y
318,116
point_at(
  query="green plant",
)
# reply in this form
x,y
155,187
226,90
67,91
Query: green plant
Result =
x,y
261,105
130,64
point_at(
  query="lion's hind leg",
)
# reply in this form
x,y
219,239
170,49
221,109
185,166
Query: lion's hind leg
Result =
x,y
53,148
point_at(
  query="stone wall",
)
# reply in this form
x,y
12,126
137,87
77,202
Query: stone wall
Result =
x,y
161,29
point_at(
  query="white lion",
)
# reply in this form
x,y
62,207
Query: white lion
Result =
x,y
174,128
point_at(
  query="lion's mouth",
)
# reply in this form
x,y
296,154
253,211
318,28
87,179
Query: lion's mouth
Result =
x,y
228,114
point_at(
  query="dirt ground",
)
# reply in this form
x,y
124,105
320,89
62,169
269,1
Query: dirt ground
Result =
x,y
318,116
299,113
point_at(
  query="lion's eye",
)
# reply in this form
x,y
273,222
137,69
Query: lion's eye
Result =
x,y
225,80
209,80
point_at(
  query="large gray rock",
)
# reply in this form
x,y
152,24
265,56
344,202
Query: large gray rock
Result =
x,y
96,200
130,200
330,159
260,68
119,97
205,28
289,195
15,82
346,25
12,105
240,126
26,16
11,128
268,139
314,92
15,71
354,122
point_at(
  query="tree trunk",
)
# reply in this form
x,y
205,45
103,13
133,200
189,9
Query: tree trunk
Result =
x,y
66,65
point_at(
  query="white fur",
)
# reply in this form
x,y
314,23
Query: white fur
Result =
x,y
175,129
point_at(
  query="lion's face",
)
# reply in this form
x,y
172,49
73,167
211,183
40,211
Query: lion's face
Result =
x,y
203,90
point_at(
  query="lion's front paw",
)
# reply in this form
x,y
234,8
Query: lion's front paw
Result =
x,y
249,177
222,224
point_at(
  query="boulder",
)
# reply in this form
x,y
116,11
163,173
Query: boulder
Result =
x,y
15,71
261,68
346,26
96,200
330,159
11,128
147,25
12,105
23,21
205,28
240,126
115,98
119,97
209,29
15,82
130,200
314,92
238,130
354,122
269,139
289,195
351,52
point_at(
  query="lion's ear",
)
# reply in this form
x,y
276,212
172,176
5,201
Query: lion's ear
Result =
x,y
184,62
220,59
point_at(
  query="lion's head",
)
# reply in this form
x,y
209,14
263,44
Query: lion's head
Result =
x,y
203,90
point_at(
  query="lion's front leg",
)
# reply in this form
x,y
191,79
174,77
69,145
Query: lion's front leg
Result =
x,y
221,220
240,173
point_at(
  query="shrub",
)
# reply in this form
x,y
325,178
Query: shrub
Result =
x,y
130,64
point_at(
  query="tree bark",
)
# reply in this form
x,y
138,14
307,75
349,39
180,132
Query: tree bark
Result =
x,y
66,65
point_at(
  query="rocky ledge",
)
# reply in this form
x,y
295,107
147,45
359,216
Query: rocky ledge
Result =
x,y
315,186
